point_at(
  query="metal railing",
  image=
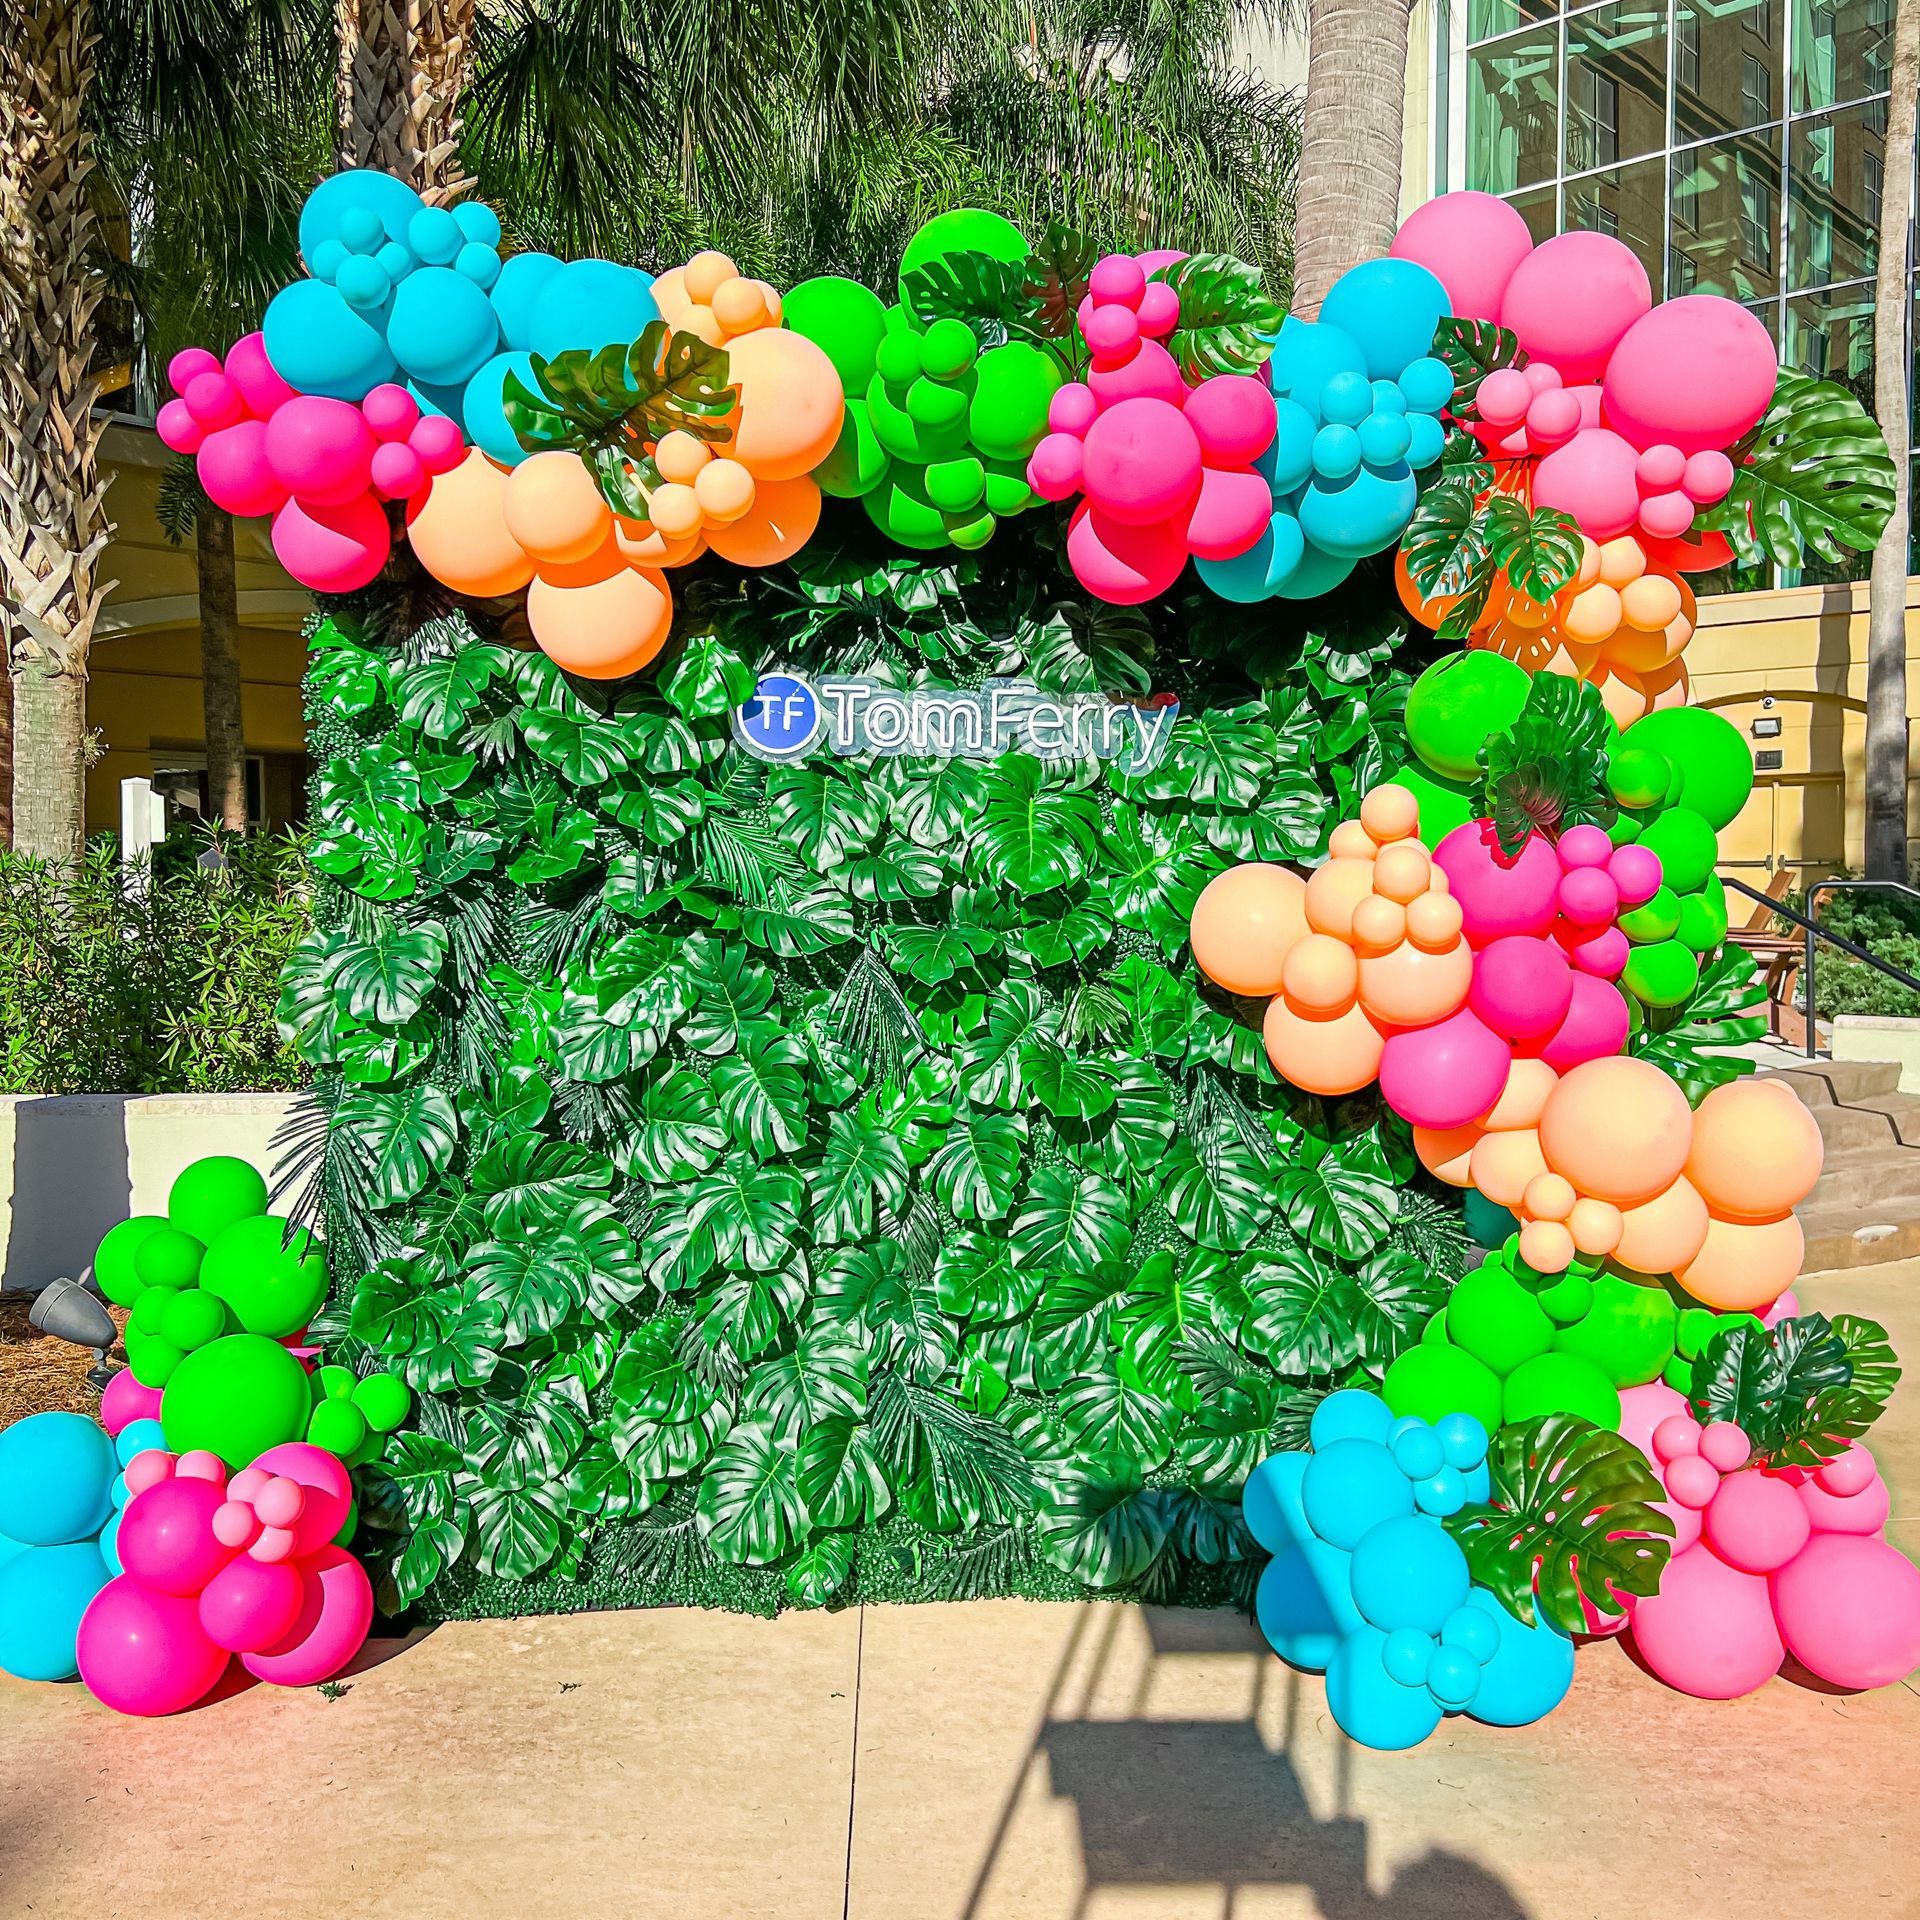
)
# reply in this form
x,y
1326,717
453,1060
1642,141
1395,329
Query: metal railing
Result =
x,y
1810,926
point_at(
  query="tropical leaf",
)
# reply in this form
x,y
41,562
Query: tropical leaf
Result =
x,y
707,678
1339,1195
975,1171
840,1476
1220,1195
871,1289
1228,321
1539,551
1035,834
1790,1387
1107,1413
825,812
388,977
401,1138
1070,1223
750,1509
1103,1527
819,1573
1472,349
862,1167
1691,1043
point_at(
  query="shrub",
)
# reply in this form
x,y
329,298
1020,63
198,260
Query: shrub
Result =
x,y
1888,926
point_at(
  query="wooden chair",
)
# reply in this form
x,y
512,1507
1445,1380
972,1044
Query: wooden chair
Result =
x,y
1777,947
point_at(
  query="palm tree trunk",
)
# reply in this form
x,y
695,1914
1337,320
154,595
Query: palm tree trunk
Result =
x,y
403,66
220,667
1887,758
1347,189
53,524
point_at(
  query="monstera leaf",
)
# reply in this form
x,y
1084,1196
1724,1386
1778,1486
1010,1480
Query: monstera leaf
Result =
x,y
1569,1516
1104,1527
1689,1042
1228,320
1539,551
1790,1388
1813,475
990,295
1472,349
750,1507
1547,771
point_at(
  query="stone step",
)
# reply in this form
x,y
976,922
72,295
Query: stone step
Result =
x,y
1850,1235
1849,1128
1866,1176
1832,1083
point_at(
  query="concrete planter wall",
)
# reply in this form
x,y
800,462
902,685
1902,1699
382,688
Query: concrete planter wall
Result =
x,y
73,1164
1879,1036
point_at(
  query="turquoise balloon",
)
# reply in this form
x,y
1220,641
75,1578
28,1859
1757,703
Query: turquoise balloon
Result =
x,y
482,410
1257,574
1351,1414
516,292
43,1593
590,304
1489,1224
1365,514
450,401
1270,1501
1303,1604
1528,1676
1318,572
1407,1573
1289,460
478,223
391,201
1368,1704
110,1539
1308,355
320,345
1350,1488
56,1479
442,328
1389,309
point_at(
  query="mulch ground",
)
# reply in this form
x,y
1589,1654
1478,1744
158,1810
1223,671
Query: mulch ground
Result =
x,y
39,1374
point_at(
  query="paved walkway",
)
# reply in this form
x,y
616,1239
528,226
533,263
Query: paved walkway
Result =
x,y
960,1763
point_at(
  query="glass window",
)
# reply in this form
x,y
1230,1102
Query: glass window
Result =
x,y
1486,18
1513,111
1733,81
1616,84
1833,201
1830,335
1540,210
1726,204
1840,51
1625,202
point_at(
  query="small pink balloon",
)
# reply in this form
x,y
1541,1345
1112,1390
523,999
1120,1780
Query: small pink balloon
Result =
x,y
1865,1512
166,1537
188,365
252,372
1787,1307
279,1502
1141,463
1447,1074
1552,416
1073,409
214,401
1541,377
1499,894
1522,986
1707,477
391,411
1710,1630
1117,277
274,1543
1592,478
1754,1522
1573,299
1660,468
1588,897
1691,1481
1603,953
232,466
332,549
1234,417
1849,1610
1503,397
148,1468
198,1464
126,1400
1583,847
1472,242
1150,372
145,1652
1053,468
1595,1026
250,1605
1635,872
1666,515
321,450
1157,257
1159,310
436,439
1677,1436
1847,1473
1110,332
397,470
1696,372
247,1482
235,1525
1724,1445
326,1490
1233,510
336,1609
178,429
1123,564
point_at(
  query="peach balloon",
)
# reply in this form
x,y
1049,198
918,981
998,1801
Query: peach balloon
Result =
x,y
779,523
642,544
1390,813
724,489
1503,1165
1756,1150
1549,1196
1744,1266
1662,1234
1524,1099
1618,1128
674,509
791,407
1546,1246
1378,924
1351,841
1445,1152
1410,987
1401,871
1434,921
600,618
680,457
458,529
1335,1056
1620,561
1334,890
1244,924
1596,1226
1650,602
554,509
1321,975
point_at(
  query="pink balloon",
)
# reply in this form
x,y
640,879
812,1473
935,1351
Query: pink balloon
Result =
x,y
1150,372
250,1605
1444,1075
1072,410
147,1469
1592,478
326,1486
1864,1512
1849,1610
1642,1410
1123,564
1635,871
1588,897
1141,462
1472,242
252,372
336,1609
214,401
145,1652
332,549
1603,954
1234,416
1522,986
1584,847
1696,372
397,470
321,450
178,429
233,468
1573,298
391,411
1755,1522
1594,1028
436,439
188,365
1232,512
1499,895
166,1537
1847,1473
1053,468
1710,1630
126,1400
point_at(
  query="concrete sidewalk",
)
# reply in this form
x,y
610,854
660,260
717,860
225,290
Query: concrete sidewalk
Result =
x,y
960,1763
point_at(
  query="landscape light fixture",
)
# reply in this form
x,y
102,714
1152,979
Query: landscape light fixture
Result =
x,y
67,1311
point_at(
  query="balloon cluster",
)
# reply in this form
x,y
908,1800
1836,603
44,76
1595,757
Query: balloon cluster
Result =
x,y
1366,1584
1512,1344
210,1566
1165,470
1768,1562
56,1498
1360,400
1610,1162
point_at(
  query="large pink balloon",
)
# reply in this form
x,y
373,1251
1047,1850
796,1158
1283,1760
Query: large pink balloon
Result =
x,y
1123,564
1141,462
1232,512
1641,1410
251,1604
321,450
1573,298
1695,373
1592,478
232,465
1593,1028
126,1400
1499,895
252,372
1849,1610
166,1537
1710,1629
335,1612
1446,1074
1473,242
144,1652
333,549
328,1487
1522,986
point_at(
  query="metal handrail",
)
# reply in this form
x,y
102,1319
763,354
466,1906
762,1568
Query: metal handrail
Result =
x,y
1814,931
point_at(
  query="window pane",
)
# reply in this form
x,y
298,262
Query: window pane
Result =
x,y
1726,66
1835,176
1626,203
1485,18
1840,51
1726,215
1830,335
1512,114
1616,84
1537,209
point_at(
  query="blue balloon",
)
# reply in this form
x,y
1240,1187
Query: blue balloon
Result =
x,y
1308,355
434,236
1426,438
479,264
43,1593
10,1546
1257,573
515,293
1270,1501
1479,1482
1345,400
1303,1606
1462,1439
1318,572
1350,1488
1337,452
590,304
1289,460
1365,515
1385,438
1368,1704
1417,1453
1452,1677
1407,1573
482,410
1441,1492
1387,397
56,1479
1528,1676
1427,385
448,400
442,329
318,344
138,1436
109,1541
477,222
1475,1633
1351,1414
1407,1655
1390,308
392,202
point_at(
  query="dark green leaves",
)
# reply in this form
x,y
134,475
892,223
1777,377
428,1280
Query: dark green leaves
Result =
x,y
1726,1009
1791,1387
1037,833
1473,349
1227,317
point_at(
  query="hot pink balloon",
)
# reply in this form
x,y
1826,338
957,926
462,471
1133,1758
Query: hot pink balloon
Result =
x,y
1710,1630
1755,1522
188,365
326,1483
1123,564
1849,1610
233,468
252,372
1604,953
1499,894
250,1605
1444,1075
1522,986
1150,372
1696,372
166,1537
1592,477
1573,298
126,1400
1472,242
1234,417
332,549
1594,1028
178,429
336,1609
1232,512
321,450
145,1652
1141,462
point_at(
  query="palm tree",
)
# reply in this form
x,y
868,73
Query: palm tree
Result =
x,y
1888,767
402,69
1347,190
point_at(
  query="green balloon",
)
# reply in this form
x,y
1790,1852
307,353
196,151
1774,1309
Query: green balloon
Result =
x,y
1656,918
1438,1380
337,1427
384,1399
1686,846
271,1287
113,1269
1712,765
169,1258
845,320
236,1397
1434,1333
1014,385
1637,778
151,1358
1703,917
149,1313
333,1383
858,462
1560,1383
193,1317
1627,1333
214,1193
1494,1318
1458,704
1662,974
1564,1299
1625,827
956,486
963,230
1444,804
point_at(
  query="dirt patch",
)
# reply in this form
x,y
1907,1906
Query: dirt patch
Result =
x,y
39,1374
